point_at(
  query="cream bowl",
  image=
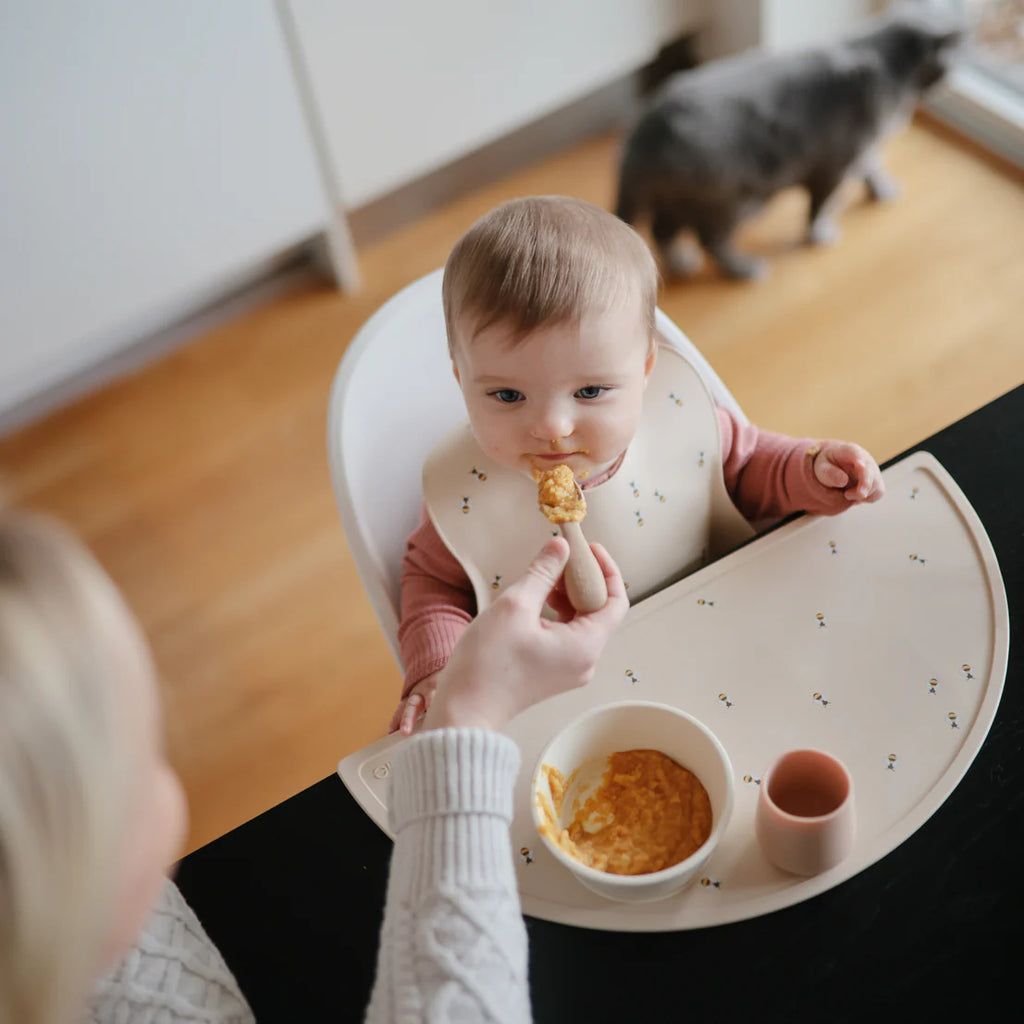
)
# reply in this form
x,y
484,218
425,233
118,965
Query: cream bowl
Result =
x,y
584,746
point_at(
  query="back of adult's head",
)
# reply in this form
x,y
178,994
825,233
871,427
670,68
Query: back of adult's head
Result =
x,y
62,781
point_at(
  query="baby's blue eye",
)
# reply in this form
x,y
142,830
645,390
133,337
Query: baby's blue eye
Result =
x,y
590,391
508,395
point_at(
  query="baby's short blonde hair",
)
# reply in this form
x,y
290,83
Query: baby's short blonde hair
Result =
x,y
63,799
545,260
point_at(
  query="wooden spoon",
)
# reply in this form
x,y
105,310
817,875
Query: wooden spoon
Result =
x,y
584,579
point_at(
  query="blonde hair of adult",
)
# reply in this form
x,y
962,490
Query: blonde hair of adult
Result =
x,y
545,260
63,782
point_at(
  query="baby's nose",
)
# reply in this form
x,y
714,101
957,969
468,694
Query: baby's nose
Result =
x,y
552,423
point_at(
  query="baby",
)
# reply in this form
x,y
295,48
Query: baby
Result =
x,y
549,306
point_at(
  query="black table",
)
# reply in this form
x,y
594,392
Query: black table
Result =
x,y
932,932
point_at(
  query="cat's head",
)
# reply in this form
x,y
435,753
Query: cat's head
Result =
x,y
919,43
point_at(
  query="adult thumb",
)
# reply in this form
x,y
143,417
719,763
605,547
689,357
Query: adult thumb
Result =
x,y
536,584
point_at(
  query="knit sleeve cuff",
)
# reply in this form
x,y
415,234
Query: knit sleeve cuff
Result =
x,y
453,771
430,648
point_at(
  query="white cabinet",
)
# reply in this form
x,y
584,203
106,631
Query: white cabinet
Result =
x,y
400,88
152,154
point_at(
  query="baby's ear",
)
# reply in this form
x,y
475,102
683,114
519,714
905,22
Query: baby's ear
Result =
x,y
652,356
455,370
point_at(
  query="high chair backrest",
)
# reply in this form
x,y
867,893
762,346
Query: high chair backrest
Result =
x,y
394,396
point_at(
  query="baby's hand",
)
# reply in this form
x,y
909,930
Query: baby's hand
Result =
x,y
841,465
413,705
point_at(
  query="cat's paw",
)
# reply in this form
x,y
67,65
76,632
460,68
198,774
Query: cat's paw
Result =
x,y
824,231
881,187
740,266
683,259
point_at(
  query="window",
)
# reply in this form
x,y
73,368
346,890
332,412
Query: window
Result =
x,y
984,96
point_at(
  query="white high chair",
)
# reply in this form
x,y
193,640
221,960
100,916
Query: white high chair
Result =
x,y
394,396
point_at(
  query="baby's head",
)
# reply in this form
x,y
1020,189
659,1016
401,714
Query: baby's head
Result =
x,y
549,307
91,815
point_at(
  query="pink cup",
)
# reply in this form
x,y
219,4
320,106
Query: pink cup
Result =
x,y
805,819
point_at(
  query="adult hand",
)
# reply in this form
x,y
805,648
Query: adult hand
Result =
x,y
510,657
844,466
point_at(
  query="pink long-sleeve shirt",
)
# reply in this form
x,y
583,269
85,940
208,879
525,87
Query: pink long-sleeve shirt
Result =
x,y
767,476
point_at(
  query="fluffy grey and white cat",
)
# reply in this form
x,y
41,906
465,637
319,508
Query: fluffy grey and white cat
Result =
x,y
719,140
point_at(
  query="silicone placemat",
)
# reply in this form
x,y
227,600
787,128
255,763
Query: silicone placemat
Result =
x,y
880,635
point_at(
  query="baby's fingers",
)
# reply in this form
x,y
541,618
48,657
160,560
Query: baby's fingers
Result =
x,y
415,705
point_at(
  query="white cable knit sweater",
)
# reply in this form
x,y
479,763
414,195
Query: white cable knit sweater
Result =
x,y
453,943
172,975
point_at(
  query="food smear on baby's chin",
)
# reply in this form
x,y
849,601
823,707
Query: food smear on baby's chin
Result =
x,y
558,496
647,814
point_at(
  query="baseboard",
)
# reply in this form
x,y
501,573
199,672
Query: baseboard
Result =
x,y
166,331
608,109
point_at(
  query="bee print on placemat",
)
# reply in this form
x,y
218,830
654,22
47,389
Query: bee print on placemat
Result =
x,y
833,548
918,559
751,780
892,759
821,620
933,685
465,506
968,673
480,475
675,398
527,854
703,602
707,882
724,699
820,699
952,718
700,460
660,496
496,583
631,676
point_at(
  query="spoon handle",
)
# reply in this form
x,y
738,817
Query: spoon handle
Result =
x,y
584,581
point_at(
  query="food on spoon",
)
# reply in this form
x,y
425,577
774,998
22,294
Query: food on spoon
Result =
x,y
559,496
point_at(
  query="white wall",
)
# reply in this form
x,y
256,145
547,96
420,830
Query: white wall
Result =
x,y
401,88
800,23
736,25
152,153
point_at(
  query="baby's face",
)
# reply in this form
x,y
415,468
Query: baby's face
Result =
x,y
565,393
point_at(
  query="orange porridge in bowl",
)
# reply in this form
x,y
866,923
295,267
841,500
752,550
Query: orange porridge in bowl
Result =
x,y
647,814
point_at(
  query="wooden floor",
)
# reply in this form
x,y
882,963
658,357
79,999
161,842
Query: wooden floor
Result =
x,y
202,484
